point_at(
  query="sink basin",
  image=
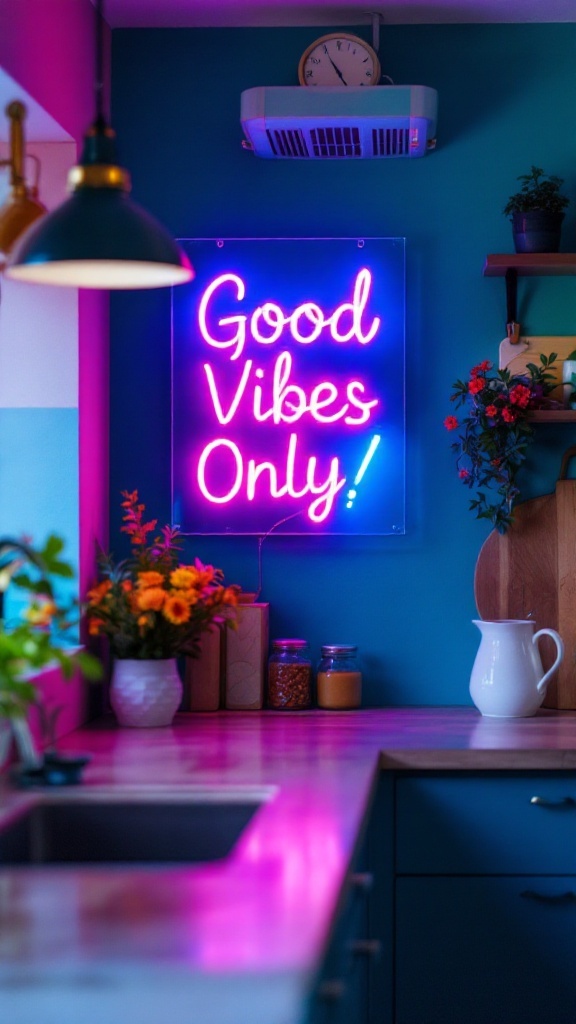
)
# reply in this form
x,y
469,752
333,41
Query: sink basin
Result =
x,y
125,831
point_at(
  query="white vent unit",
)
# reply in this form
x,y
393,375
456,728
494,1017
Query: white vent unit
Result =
x,y
320,123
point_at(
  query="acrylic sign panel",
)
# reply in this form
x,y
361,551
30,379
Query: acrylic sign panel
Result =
x,y
288,387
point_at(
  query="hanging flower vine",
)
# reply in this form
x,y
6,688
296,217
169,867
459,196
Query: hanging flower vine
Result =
x,y
496,432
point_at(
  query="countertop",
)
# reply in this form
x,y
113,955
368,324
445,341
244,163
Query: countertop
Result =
x,y
236,941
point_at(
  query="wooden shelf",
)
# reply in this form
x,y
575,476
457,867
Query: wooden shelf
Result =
x,y
529,264
553,416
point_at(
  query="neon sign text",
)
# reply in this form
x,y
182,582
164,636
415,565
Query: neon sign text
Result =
x,y
289,402
231,470
271,315
287,387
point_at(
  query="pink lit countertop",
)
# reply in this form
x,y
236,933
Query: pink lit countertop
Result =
x,y
236,941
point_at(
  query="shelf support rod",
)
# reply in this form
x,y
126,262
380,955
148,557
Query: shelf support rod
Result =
x,y
512,326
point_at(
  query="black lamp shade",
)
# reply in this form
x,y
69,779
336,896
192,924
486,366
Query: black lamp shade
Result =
x,y
99,238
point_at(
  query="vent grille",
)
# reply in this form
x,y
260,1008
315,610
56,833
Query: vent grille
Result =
x,y
384,122
391,141
287,142
330,142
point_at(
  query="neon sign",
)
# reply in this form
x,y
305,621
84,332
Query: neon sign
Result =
x,y
287,387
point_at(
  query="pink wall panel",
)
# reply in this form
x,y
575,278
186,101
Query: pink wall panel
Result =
x,y
48,47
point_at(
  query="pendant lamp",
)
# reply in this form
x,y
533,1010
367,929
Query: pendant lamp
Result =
x,y
22,207
99,237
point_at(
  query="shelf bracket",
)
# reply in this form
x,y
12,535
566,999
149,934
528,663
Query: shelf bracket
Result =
x,y
512,326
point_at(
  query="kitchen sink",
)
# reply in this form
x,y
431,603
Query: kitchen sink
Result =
x,y
121,831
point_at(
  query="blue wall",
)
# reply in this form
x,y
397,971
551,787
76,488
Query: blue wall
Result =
x,y
506,101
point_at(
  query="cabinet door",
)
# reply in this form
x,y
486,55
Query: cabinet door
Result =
x,y
486,950
486,824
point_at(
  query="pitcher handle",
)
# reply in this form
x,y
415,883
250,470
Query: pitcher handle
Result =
x,y
541,686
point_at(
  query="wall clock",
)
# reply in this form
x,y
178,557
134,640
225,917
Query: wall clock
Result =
x,y
339,59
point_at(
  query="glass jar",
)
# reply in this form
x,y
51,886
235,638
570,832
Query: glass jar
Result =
x,y
289,675
339,679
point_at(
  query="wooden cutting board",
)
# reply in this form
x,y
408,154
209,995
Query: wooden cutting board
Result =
x,y
530,573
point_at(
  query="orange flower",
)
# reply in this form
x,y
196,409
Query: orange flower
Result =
x,y
176,610
150,579
151,599
182,578
94,626
230,596
41,614
99,591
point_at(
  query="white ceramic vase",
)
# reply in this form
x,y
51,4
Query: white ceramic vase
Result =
x,y
507,679
145,693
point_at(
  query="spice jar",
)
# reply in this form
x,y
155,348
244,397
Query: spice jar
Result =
x,y
339,680
289,675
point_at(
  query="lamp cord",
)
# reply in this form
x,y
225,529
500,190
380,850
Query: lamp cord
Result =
x,y
261,540
99,62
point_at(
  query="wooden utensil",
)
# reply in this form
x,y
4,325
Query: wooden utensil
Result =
x,y
530,573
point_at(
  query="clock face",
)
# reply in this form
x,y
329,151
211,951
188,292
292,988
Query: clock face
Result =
x,y
339,59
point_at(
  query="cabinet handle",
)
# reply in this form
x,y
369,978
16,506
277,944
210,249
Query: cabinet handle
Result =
x,y
541,897
362,880
565,804
366,947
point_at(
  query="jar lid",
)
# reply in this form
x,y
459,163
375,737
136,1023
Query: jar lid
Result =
x,y
294,645
328,649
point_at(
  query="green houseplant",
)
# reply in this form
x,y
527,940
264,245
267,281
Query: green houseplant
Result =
x,y
537,212
40,637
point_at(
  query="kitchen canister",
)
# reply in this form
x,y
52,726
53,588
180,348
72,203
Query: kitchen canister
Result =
x,y
289,675
339,679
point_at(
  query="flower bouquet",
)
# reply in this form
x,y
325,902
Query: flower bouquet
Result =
x,y
496,432
154,607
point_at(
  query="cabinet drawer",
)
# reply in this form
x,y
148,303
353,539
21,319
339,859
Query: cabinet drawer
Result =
x,y
486,950
486,824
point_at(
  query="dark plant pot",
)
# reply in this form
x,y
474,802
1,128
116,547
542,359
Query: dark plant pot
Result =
x,y
537,231
54,770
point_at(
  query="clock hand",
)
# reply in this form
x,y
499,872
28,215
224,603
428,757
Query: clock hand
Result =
x,y
337,70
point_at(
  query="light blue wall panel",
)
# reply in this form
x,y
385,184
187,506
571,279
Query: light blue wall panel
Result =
x,y
39,480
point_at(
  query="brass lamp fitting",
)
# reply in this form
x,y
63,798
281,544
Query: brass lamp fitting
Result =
x,y
22,207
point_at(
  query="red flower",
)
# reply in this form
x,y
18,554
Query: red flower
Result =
x,y
450,423
520,395
482,367
464,474
491,410
508,415
476,384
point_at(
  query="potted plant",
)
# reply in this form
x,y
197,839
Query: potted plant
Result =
x,y
153,607
496,432
39,638
537,212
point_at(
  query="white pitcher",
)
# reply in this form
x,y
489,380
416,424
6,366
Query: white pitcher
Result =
x,y
507,679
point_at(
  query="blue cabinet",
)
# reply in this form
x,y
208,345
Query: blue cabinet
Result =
x,y
355,981
485,899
